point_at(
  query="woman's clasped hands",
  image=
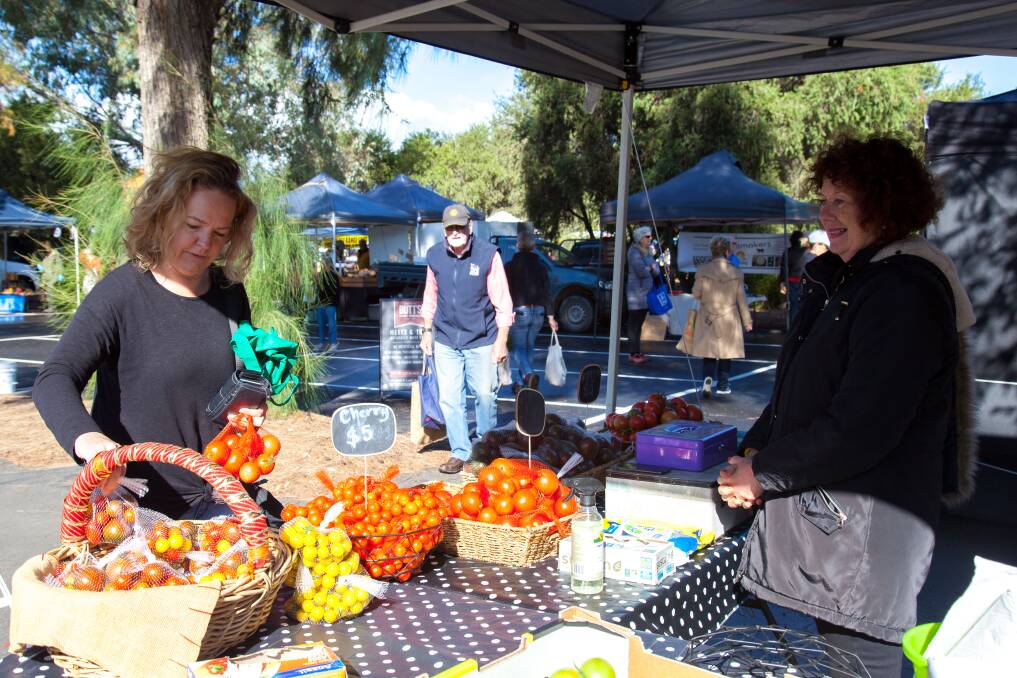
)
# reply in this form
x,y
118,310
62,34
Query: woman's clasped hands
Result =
x,y
737,484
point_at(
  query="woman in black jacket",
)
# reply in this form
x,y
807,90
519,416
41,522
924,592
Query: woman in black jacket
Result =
x,y
867,427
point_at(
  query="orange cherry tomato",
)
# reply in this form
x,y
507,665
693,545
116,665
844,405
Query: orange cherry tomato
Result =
x,y
266,463
489,477
288,513
270,444
509,520
546,482
507,486
564,507
504,466
471,503
235,461
487,515
217,452
457,505
502,504
249,472
525,500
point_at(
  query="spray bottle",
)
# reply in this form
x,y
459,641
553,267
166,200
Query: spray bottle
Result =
x,y
587,538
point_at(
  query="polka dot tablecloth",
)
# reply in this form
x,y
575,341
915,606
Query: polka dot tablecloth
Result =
x,y
457,610
696,599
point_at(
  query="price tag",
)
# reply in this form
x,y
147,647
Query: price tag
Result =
x,y
363,429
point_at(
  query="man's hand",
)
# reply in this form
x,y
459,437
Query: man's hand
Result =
x,y
553,323
499,351
427,343
738,486
87,445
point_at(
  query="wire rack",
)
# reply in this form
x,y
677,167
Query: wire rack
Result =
x,y
763,651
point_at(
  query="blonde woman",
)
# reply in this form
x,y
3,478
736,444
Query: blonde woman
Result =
x,y
723,313
641,270
155,331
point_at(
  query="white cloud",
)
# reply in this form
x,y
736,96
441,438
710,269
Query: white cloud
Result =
x,y
407,115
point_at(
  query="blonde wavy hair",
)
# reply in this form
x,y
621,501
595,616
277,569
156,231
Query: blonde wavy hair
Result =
x,y
158,209
719,246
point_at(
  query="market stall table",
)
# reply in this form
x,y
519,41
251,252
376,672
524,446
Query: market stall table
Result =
x,y
415,630
696,599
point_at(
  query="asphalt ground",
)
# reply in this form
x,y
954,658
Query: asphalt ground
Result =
x,y
30,499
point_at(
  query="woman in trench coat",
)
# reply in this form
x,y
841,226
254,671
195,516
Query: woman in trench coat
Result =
x,y
723,312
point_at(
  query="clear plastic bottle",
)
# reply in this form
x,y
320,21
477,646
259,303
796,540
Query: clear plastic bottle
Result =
x,y
587,542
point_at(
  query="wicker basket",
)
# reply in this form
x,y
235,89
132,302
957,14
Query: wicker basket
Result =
x,y
244,604
502,544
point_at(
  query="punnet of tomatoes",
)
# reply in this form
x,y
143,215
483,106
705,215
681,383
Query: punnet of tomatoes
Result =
x,y
512,493
245,452
392,528
656,409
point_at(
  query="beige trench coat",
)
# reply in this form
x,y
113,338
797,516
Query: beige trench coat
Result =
x,y
723,311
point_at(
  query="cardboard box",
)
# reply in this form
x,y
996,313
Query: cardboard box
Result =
x,y
578,636
631,560
314,660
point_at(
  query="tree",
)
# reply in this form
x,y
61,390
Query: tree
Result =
x,y
566,153
26,149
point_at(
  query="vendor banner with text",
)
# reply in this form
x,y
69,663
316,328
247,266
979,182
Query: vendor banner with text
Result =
x,y
756,252
401,357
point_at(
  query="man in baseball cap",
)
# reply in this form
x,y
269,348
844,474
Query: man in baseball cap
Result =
x,y
467,313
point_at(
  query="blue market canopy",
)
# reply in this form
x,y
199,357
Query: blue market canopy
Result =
x,y
406,194
327,232
16,215
323,199
713,191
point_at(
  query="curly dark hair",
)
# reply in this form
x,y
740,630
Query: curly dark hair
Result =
x,y
895,193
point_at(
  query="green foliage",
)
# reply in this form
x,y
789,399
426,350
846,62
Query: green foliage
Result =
x,y
26,149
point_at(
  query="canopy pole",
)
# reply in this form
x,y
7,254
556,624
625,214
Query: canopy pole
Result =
x,y
5,259
787,281
617,281
335,254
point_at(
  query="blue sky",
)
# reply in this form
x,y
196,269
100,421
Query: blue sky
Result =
x,y
449,92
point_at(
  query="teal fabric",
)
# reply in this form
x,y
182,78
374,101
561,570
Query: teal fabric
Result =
x,y
268,353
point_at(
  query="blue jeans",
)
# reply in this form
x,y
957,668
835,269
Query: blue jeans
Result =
x,y
473,366
529,320
326,320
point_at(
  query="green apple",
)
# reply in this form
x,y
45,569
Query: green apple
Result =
x,y
596,668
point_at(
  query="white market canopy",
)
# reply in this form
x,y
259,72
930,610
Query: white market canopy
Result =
x,y
662,44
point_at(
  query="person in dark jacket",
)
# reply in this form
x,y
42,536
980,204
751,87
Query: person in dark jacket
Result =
x,y
156,330
642,270
791,266
868,427
530,287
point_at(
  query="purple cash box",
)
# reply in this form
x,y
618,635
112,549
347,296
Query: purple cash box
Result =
x,y
687,445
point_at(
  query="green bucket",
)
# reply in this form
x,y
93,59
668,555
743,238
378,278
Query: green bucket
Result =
x,y
915,642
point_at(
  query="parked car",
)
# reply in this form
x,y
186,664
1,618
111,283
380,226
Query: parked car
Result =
x,y
27,276
578,293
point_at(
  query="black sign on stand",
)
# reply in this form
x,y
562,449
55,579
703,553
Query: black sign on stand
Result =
x,y
400,357
363,429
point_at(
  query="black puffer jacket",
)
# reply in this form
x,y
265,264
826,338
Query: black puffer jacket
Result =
x,y
855,444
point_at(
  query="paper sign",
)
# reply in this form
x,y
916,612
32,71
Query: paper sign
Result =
x,y
363,429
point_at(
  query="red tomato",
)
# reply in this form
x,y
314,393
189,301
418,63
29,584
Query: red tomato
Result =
x,y
457,505
507,486
217,453
564,507
487,515
471,503
546,482
694,413
489,477
235,461
249,472
525,500
270,444
266,463
502,504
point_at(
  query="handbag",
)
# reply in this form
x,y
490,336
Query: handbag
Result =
x,y
554,368
430,403
658,299
688,336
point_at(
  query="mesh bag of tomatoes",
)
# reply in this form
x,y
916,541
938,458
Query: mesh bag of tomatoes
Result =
x,y
313,510
515,493
245,452
392,528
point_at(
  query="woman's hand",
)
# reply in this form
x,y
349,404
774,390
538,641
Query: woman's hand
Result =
x,y
552,323
738,486
87,445
257,415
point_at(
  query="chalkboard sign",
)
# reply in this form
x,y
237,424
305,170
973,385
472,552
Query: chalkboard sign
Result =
x,y
529,412
399,347
363,429
588,388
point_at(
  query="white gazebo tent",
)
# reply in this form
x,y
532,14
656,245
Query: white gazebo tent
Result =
x,y
661,44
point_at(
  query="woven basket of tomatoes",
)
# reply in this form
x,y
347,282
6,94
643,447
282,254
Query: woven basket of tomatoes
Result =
x,y
516,513
392,528
245,594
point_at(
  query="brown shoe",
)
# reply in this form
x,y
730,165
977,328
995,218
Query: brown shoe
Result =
x,y
453,465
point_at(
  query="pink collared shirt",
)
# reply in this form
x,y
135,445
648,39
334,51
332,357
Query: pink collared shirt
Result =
x,y
497,291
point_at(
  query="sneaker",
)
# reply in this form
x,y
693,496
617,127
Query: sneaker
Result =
x,y
453,465
723,388
707,387
637,358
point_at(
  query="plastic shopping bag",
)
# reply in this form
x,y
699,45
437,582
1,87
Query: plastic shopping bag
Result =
x,y
658,299
554,369
430,404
